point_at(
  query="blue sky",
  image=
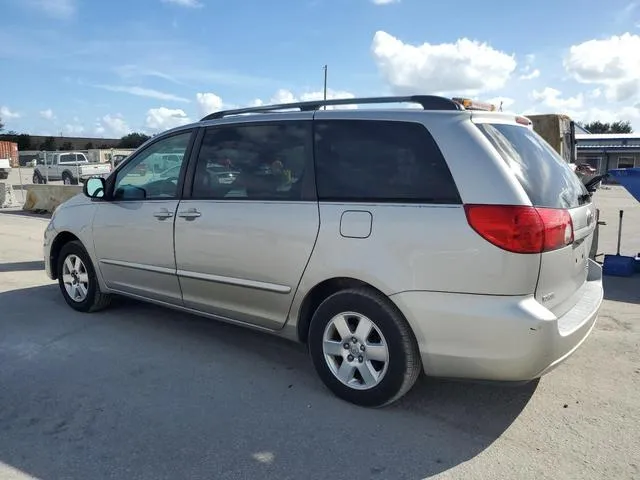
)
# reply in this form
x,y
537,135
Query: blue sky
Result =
x,y
103,68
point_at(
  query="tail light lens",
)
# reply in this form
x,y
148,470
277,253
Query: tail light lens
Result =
x,y
521,229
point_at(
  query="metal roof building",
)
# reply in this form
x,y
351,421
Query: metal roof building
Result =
x,y
605,151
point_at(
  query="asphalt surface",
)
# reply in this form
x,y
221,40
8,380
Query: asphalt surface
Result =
x,y
137,392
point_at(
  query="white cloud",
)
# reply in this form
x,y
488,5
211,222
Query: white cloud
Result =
x,y
112,126
47,114
287,96
630,114
384,2
7,114
550,97
613,62
60,9
143,92
73,129
595,93
529,74
506,102
164,118
185,3
463,67
208,103
550,100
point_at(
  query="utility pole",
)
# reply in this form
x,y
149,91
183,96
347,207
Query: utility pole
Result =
x,y
325,86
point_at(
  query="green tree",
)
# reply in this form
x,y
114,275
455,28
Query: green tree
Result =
x,y
615,127
66,146
621,127
23,140
49,144
89,146
133,140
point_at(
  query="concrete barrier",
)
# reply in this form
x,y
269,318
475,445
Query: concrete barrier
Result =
x,y
45,198
7,198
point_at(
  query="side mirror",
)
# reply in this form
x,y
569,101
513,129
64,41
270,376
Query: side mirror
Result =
x,y
94,187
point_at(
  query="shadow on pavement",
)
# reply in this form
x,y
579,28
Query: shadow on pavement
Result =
x,y
21,266
23,213
622,289
147,393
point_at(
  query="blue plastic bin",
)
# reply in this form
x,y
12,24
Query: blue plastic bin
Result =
x,y
618,266
629,178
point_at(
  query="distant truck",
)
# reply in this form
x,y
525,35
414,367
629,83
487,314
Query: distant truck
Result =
x,y
70,167
559,131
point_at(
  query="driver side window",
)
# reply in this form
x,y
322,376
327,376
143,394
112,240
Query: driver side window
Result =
x,y
150,175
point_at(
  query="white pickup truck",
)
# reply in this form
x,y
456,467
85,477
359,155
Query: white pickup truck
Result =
x,y
5,168
70,167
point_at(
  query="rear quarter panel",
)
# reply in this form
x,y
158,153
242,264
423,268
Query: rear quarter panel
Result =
x,y
417,247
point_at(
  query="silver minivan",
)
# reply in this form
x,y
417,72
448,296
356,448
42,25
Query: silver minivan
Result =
x,y
449,240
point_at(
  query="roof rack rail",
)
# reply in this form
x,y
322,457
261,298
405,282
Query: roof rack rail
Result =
x,y
428,102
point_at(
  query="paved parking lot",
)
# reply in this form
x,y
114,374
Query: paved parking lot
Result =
x,y
137,392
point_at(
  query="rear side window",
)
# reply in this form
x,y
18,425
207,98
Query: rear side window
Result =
x,y
380,161
544,175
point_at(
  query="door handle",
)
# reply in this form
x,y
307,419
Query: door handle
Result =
x,y
163,214
189,214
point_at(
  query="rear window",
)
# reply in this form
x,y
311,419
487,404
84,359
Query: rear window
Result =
x,y
545,176
380,161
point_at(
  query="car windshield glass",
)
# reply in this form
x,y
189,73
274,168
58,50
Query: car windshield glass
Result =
x,y
547,179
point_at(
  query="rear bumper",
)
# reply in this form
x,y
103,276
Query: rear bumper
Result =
x,y
500,338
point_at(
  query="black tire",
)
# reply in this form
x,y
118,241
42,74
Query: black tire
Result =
x,y
404,363
38,179
4,176
68,179
95,300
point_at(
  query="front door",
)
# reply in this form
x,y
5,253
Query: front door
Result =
x,y
133,233
245,236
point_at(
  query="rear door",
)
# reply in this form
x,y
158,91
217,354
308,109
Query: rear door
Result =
x,y
52,167
549,182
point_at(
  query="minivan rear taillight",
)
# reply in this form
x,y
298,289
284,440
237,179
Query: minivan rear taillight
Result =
x,y
521,229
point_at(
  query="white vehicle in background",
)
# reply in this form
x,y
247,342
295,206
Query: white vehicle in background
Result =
x,y
70,167
5,168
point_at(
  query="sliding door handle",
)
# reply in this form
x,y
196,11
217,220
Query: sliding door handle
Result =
x,y
189,214
163,214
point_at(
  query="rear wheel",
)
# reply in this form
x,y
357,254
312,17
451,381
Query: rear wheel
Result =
x,y
67,179
363,349
77,279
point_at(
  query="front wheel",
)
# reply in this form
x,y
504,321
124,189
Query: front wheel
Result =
x,y
77,279
38,179
363,349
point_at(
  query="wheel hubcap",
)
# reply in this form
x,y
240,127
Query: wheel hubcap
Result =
x,y
75,278
355,350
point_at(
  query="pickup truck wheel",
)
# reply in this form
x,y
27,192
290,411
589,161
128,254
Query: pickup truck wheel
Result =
x,y
67,179
37,178
4,175
77,279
